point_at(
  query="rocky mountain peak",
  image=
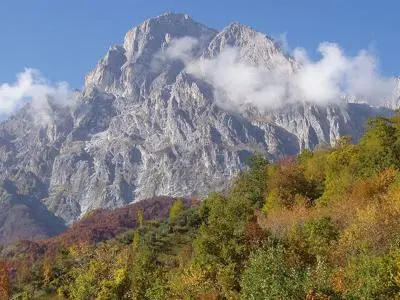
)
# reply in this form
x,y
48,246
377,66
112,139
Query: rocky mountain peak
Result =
x,y
254,48
153,33
124,66
237,34
140,130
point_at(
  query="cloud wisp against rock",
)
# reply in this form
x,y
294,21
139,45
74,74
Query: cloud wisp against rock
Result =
x,y
326,80
30,86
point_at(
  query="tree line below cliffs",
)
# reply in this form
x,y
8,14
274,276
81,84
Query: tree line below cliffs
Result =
x,y
322,225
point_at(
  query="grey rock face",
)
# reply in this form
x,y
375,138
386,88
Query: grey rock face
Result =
x,y
141,130
23,217
254,48
394,100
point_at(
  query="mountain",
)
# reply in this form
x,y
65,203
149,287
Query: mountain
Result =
x,y
321,225
141,129
98,226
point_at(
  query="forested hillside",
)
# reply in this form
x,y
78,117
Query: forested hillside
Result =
x,y
323,225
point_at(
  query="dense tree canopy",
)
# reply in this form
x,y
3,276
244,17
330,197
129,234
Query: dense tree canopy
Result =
x,y
323,225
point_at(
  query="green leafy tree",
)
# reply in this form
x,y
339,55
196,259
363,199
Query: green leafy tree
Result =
x,y
219,246
140,217
368,276
176,209
252,184
319,235
136,239
269,276
144,276
342,168
380,145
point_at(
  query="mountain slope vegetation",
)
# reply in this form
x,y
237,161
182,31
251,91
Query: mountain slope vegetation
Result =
x,y
322,225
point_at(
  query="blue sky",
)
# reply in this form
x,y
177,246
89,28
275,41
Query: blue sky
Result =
x,y
65,39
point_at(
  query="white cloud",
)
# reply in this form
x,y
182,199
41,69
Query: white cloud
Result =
x,y
336,74
321,81
181,49
31,86
177,49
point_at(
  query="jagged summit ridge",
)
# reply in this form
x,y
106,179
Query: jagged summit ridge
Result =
x,y
122,68
254,48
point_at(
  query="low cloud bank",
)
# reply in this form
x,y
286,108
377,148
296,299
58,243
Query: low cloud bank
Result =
x,y
31,86
323,81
